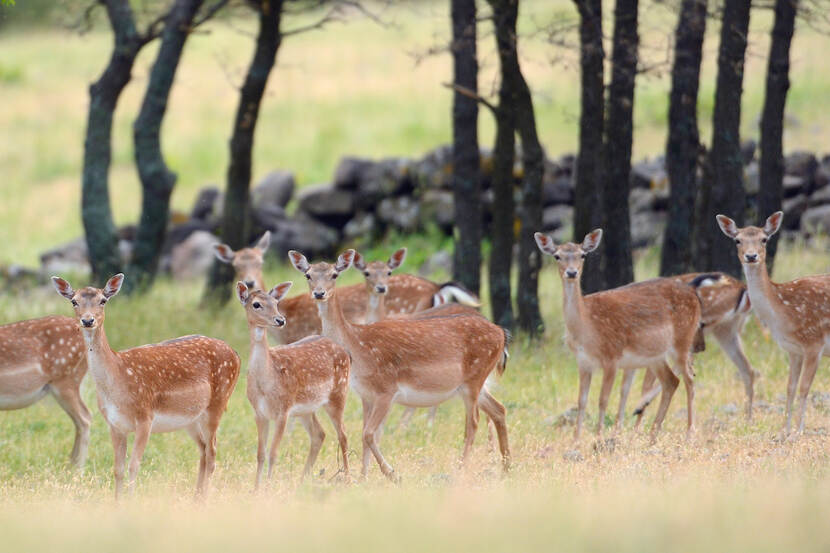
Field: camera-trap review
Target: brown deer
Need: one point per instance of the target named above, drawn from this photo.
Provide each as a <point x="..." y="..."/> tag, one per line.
<point x="639" y="325"/>
<point x="797" y="312"/>
<point x="183" y="383"/>
<point x="414" y="362"/>
<point x="292" y="381"/>
<point x="46" y="356"/>
<point x="407" y="293"/>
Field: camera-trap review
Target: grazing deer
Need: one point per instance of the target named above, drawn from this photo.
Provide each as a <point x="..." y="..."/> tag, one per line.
<point x="639" y="325"/>
<point x="725" y="309"/>
<point x="796" y="312"/>
<point x="183" y="383"/>
<point x="292" y="381"/>
<point x="414" y="362"/>
<point x="407" y="293"/>
<point x="46" y="356"/>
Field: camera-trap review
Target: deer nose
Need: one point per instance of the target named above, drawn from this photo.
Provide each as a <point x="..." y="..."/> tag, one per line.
<point x="381" y="289"/>
<point x="319" y="295"/>
<point x="88" y="322"/>
<point x="751" y="257"/>
<point x="570" y="273"/>
<point x="279" y="321"/>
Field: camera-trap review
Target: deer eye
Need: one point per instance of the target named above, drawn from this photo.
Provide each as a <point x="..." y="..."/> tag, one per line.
<point x="308" y="276"/>
<point x="256" y="305"/>
<point x="388" y="273"/>
<point x="584" y="255"/>
<point x="737" y="242"/>
<point x="365" y="273"/>
<point x="556" y="256"/>
<point x="103" y="301"/>
<point x="763" y="240"/>
<point x="334" y="276"/>
<point x="75" y="303"/>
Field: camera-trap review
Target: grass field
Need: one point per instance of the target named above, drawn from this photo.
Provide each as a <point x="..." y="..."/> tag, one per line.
<point x="733" y="487"/>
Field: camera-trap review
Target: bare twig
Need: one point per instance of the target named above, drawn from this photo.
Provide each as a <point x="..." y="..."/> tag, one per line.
<point x="209" y="13"/>
<point x="463" y="90"/>
<point x="334" y="14"/>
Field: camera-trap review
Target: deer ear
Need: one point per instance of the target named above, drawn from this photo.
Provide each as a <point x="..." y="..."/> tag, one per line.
<point x="63" y="287"/>
<point x="545" y="243"/>
<point x="773" y="223"/>
<point x="264" y="241"/>
<point x="592" y="240"/>
<point x="727" y="225"/>
<point x="359" y="261"/>
<point x="223" y="253"/>
<point x="242" y="292"/>
<point x="344" y="261"/>
<point x="280" y="290"/>
<point x="396" y="260"/>
<point x="298" y="260"/>
<point x="113" y="285"/>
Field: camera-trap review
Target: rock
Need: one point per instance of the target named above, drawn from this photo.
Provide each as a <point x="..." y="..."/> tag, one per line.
<point x="648" y="174"/>
<point x="752" y="179"/>
<point x="389" y="177"/>
<point x="265" y="217"/>
<point x="333" y="207"/>
<point x="641" y="199"/>
<point x="567" y="417"/>
<point x="647" y="228"/>
<point x="557" y="190"/>
<point x="17" y="276"/>
<point x="71" y="257"/>
<point x="401" y="212"/>
<point x="748" y="148"/>
<point x="794" y="185"/>
<point x="304" y="234"/>
<point x="820" y="197"/>
<point x="275" y="189"/>
<point x="816" y="219"/>
<point x="361" y="226"/>
<point x="349" y="172"/>
<point x="181" y="232"/>
<point x="205" y="205"/>
<point x="557" y="217"/>
<point x="801" y="164"/>
<point x="434" y="169"/>
<point x="192" y="258"/>
<point x="793" y="209"/>
<point x="823" y="173"/>
<point x="439" y="262"/>
<point x="438" y="207"/>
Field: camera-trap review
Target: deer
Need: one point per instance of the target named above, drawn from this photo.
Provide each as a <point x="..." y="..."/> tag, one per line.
<point x="414" y="362"/>
<point x="407" y="293"/>
<point x="725" y="309"/>
<point x="294" y="380"/>
<point x="642" y="324"/>
<point x="183" y="383"/>
<point x="797" y="313"/>
<point x="42" y="357"/>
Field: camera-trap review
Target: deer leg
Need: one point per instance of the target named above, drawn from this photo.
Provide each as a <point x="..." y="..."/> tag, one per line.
<point x="649" y="391"/>
<point x="405" y="419"/>
<point x="431" y="416"/>
<point x="730" y="342"/>
<point x="380" y="408"/>
<point x="262" y="424"/>
<point x="608" y="376"/>
<point x="119" y="448"/>
<point x="367" y="452"/>
<point x="498" y="415"/>
<point x="471" y="423"/>
<point x="142" y="436"/>
<point x="689" y="383"/>
<point x="316" y="435"/>
<point x="279" y="429"/>
<point x="68" y="396"/>
<point x="584" y="387"/>
<point x="628" y="377"/>
<point x="335" y="413"/>
<point x="195" y="432"/>
<point x="811" y="361"/>
<point x="795" y="372"/>
<point x="668" y="382"/>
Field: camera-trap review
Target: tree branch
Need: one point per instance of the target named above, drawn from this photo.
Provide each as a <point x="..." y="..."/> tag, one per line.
<point x="464" y="91"/>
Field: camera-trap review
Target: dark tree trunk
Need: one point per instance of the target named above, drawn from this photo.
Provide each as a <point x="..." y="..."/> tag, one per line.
<point x="726" y="190"/>
<point x="465" y="153"/>
<point x="618" y="267"/>
<point x="101" y="237"/>
<point x="772" y="119"/>
<point x="504" y="153"/>
<point x="588" y="206"/>
<point x="157" y="180"/>
<point x="236" y="216"/>
<point x="684" y="140"/>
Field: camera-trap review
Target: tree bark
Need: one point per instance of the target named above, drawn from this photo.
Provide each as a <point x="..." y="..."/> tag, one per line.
<point x="725" y="192"/>
<point x="236" y="217"/>
<point x="772" y="118"/>
<point x="684" y="139"/>
<point x="618" y="267"/>
<point x="588" y="205"/>
<point x="101" y="236"/>
<point x="157" y="180"/>
<point x="465" y="153"/>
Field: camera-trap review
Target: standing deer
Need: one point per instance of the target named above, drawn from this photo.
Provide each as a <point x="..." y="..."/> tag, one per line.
<point x="413" y="362"/>
<point x="46" y="356"/>
<point x="183" y="383"/>
<point x="292" y="381"/>
<point x="407" y="293"/>
<point x="645" y="324"/>
<point x="796" y="312"/>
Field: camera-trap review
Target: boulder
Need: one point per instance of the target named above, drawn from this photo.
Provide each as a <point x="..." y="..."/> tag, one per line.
<point x="204" y="207"/>
<point x="820" y="197"/>
<point x="192" y="258"/>
<point x="748" y="148"/>
<point x="801" y="164"/>
<point x="304" y="234"/>
<point x="816" y="219"/>
<point x="752" y="179"/>
<point x="647" y="228"/>
<point x="641" y="199"/>
<point x="181" y="232"/>
<point x="275" y="188"/>
<point x="349" y="172"/>
<point x="363" y="225"/>
<point x="438" y="207"/>
<point x="434" y="169"/>
<point x="386" y="178"/>
<point x="649" y="174"/>
<point x="265" y="217"/>
<point x="557" y="187"/>
<point x="795" y="185"/>
<point x="333" y="207"/>
<point x="556" y="217"/>
<point x="71" y="257"/>
<point x="401" y="213"/>
<point x="793" y="209"/>
<point x="439" y="262"/>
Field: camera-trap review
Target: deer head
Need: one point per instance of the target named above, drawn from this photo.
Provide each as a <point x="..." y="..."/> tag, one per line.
<point x="377" y="273"/>
<point x="262" y="308"/>
<point x="321" y="276"/>
<point x="89" y="302"/>
<point x="751" y="241"/>
<point x="247" y="262"/>
<point x="569" y="257"/>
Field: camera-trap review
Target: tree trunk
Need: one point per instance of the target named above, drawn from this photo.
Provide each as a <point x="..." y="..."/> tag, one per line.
<point x="684" y="140"/>
<point x="465" y="152"/>
<point x="772" y="118"/>
<point x="588" y="206"/>
<point x="157" y="180"/>
<point x="101" y="237"/>
<point x="618" y="267"/>
<point x="726" y="190"/>
<point x="236" y="216"/>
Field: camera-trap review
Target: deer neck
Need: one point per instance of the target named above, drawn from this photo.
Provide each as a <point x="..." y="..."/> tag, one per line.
<point x="335" y="325"/>
<point x="259" y="348"/>
<point x="765" y="301"/>
<point x="377" y="308"/>
<point x="573" y="306"/>
<point x="102" y="361"/>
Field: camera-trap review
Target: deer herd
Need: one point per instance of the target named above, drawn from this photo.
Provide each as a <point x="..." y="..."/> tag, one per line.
<point x="401" y="339"/>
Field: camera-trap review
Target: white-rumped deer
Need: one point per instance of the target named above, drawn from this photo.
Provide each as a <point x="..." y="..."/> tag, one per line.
<point x="292" y="381"/>
<point x="797" y="312"/>
<point x="46" y="356"/>
<point x="644" y="324"/>
<point x="184" y="383"/>
<point x="406" y="293"/>
<point x="414" y="362"/>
